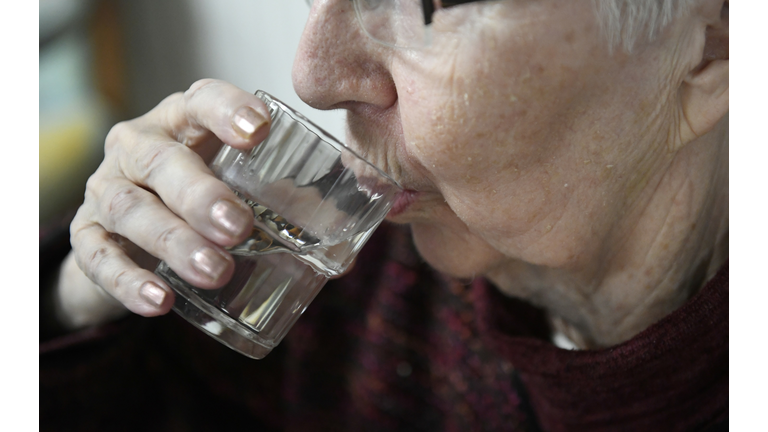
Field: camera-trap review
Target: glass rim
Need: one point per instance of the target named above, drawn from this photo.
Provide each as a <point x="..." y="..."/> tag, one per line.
<point x="321" y="133"/>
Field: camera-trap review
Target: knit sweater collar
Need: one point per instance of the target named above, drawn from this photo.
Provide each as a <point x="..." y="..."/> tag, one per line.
<point x="675" y="371"/>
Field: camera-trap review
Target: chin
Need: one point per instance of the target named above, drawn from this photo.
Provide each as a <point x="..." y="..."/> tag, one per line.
<point x="456" y="253"/>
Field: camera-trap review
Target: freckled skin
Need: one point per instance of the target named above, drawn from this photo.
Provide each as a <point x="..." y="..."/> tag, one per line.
<point x="476" y="142"/>
<point x="537" y="152"/>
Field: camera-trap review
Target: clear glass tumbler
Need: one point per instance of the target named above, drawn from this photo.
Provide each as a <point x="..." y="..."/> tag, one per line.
<point x="315" y="203"/>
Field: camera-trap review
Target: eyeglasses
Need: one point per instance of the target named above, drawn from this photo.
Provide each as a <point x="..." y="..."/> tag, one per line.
<point x="400" y="23"/>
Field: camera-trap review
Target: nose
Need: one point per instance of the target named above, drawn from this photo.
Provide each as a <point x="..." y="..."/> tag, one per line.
<point x="337" y="65"/>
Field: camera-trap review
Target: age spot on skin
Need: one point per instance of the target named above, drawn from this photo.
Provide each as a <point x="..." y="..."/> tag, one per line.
<point x="570" y="36"/>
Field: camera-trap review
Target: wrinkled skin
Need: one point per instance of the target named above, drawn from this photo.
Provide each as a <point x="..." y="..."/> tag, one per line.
<point x="538" y="154"/>
<point x="588" y="181"/>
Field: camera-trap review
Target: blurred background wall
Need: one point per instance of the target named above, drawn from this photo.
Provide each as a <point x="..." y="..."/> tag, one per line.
<point x="102" y="61"/>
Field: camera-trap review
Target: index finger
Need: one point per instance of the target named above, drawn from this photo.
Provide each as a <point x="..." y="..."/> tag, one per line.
<point x="180" y="178"/>
<point x="237" y="118"/>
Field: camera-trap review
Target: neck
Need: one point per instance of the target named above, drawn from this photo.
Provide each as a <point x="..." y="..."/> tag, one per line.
<point x="664" y="251"/>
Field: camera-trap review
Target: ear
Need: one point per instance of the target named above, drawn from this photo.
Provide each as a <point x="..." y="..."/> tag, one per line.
<point x="704" y="92"/>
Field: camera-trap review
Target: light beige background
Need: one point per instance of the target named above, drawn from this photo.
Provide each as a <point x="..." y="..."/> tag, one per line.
<point x="250" y="43"/>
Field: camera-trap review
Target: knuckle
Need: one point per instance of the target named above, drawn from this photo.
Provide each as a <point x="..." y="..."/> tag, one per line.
<point x="192" y="195"/>
<point x="117" y="134"/>
<point x="154" y="156"/>
<point x="80" y="232"/>
<point x="169" y="101"/>
<point x="148" y="160"/>
<point x="121" y="282"/>
<point x="76" y="228"/>
<point x="123" y="202"/>
<point x="94" y="261"/>
<point x="93" y="186"/>
<point x="167" y="237"/>
<point x="197" y="86"/>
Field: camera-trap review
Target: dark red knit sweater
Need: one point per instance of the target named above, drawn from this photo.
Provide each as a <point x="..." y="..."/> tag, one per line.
<point x="393" y="346"/>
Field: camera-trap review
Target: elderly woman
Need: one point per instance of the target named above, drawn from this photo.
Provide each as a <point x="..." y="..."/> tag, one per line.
<point x="566" y="175"/>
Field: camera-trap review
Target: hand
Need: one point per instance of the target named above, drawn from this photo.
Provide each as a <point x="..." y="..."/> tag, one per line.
<point x="154" y="194"/>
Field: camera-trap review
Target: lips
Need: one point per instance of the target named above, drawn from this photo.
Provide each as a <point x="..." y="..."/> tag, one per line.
<point x="402" y="202"/>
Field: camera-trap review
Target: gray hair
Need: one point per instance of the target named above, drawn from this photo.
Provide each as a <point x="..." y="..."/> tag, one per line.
<point x="626" y="22"/>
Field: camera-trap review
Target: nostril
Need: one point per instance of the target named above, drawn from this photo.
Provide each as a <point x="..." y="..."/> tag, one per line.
<point x="327" y="83"/>
<point x="336" y="63"/>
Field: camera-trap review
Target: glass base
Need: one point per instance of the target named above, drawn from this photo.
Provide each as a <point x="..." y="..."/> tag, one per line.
<point x="219" y="326"/>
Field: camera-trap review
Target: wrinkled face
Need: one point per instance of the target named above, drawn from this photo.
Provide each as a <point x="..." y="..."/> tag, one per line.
<point x="521" y="136"/>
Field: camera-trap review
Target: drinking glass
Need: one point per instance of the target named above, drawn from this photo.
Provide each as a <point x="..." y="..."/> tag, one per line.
<point x="315" y="203"/>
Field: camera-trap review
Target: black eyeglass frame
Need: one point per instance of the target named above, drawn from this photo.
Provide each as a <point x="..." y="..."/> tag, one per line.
<point x="429" y="7"/>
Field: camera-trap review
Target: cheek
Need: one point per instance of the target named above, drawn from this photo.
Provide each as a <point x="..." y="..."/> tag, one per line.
<point x="467" y="120"/>
<point x="501" y="136"/>
<point x="457" y="135"/>
<point x="475" y="143"/>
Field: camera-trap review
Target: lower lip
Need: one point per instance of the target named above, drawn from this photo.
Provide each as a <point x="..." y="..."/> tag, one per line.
<point x="402" y="202"/>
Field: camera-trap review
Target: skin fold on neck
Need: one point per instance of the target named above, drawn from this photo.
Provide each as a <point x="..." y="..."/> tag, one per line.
<point x="661" y="256"/>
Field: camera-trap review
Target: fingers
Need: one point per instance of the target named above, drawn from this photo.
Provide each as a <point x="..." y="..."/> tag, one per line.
<point x="187" y="187"/>
<point x="155" y="190"/>
<point x="236" y="117"/>
<point x="78" y="302"/>
<point x="128" y="210"/>
<point x="177" y="173"/>
<point x="107" y="265"/>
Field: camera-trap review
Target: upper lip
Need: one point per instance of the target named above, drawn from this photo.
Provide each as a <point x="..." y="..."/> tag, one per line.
<point x="406" y="187"/>
<point x="375" y="125"/>
<point x="409" y="185"/>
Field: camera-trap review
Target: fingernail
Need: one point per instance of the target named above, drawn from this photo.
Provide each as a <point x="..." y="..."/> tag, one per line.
<point x="230" y="218"/>
<point x="209" y="262"/>
<point x="152" y="294"/>
<point x="246" y="121"/>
